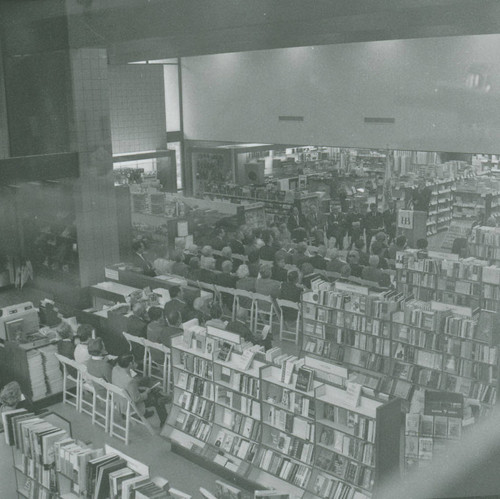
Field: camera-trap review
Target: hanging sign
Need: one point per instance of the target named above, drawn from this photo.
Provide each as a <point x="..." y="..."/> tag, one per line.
<point x="405" y="219"/>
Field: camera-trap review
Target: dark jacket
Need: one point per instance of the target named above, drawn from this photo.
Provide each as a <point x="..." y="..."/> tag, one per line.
<point x="267" y="253"/>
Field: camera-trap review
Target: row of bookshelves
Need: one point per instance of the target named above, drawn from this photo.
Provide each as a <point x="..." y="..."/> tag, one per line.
<point x="275" y="423"/>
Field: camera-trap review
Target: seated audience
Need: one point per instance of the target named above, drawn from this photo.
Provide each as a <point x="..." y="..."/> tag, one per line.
<point x="173" y="321"/>
<point x="179" y="267"/>
<point x="137" y="389"/>
<point x="240" y="325"/>
<point x="318" y="260"/>
<point x="194" y="269"/>
<point x="246" y="283"/>
<point x="373" y="273"/>
<point x="353" y="261"/>
<point x="253" y="263"/>
<point x="345" y="273"/>
<point x="216" y="316"/>
<point x="363" y="255"/>
<point x="236" y="244"/>
<point x="226" y="278"/>
<point x="177" y="303"/>
<point x="207" y="271"/>
<point x="291" y="291"/>
<point x="299" y="256"/>
<point x="84" y="333"/>
<point x="267" y="251"/>
<point x="206" y="252"/>
<point x="264" y="284"/>
<point x="279" y="272"/>
<point x="334" y="263"/>
<point x="65" y="346"/>
<point x="98" y="365"/>
<point x="190" y="252"/>
<point x="377" y="248"/>
<point x="162" y="265"/>
<point x="308" y="274"/>
<point x="226" y="255"/>
<point x="218" y="242"/>
<point x="157" y="332"/>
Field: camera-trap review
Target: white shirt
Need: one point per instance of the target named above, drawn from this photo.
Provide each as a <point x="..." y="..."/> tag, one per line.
<point x="82" y="353"/>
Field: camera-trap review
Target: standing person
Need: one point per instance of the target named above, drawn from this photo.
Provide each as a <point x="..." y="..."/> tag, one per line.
<point x="336" y="226"/>
<point x="297" y="225"/>
<point x="390" y="221"/>
<point x="315" y="225"/>
<point x="373" y="223"/>
<point x="353" y="225"/>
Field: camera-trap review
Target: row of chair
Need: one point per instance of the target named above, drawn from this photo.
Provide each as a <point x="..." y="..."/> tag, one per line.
<point x="261" y="310"/>
<point x="109" y="406"/>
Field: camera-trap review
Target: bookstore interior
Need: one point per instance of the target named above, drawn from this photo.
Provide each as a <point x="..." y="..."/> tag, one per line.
<point x="235" y="320"/>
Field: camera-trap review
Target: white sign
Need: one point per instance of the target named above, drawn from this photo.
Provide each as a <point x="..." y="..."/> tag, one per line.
<point x="405" y="219"/>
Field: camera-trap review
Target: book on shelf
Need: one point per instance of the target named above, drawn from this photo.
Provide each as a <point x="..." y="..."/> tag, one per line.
<point x="425" y="445"/>
<point x="305" y="379"/>
<point x="353" y="393"/>
<point x="225" y="350"/>
<point x="287" y="371"/>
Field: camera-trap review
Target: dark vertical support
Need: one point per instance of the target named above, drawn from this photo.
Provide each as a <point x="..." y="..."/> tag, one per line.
<point x="187" y="184"/>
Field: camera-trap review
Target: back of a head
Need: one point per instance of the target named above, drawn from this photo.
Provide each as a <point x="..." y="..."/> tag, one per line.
<point x="173" y="317"/>
<point x="322" y="250"/>
<point x="267" y="236"/>
<point x="84" y="332"/>
<point x="208" y="263"/>
<point x="373" y="261"/>
<point x="226" y="267"/>
<point x="401" y="241"/>
<point x="293" y="277"/>
<point x="353" y="257"/>
<point x="207" y="250"/>
<point x="359" y="244"/>
<point x="193" y="248"/>
<point x="177" y="256"/>
<point x="136" y="246"/>
<point x="226" y="252"/>
<point x="279" y="259"/>
<point x="125" y="360"/>
<point x="155" y="313"/>
<point x="422" y="244"/>
<point x="376" y="248"/>
<point x="215" y="310"/>
<point x="175" y="290"/>
<point x="301" y="248"/>
<point x="332" y="253"/>
<point x="64" y="331"/>
<point x="253" y="257"/>
<point x="307" y="268"/>
<point x="242" y="271"/>
<point x="139" y="308"/>
<point x="381" y="236"/>
<point x="345" y="271"/>
<point x="265" y="271"/>
<point x="194" y="264"/>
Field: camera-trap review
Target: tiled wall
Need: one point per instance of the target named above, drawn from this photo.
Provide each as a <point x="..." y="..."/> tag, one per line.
<point x="137" y="101"/>
<point x="94" y="191"/>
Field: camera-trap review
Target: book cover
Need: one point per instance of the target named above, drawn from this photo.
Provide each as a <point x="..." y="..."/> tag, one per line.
<point x="412" y="424"/>
<point x="225" y="351"/>
<point x="427" y="426"/>
<point x="304" y="381"/>
<point x="425" y="448"/>
<point x="411" y="446"/>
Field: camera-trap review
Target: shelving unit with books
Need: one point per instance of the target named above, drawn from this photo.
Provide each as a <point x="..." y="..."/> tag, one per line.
<point x="50" y="464"/>
<point x="356" y="445"/>
<point x="190" y="419"/>
<point x="440" y="206"/>
<point x="484" y="242"/>
<point x="351" y="328"/>
<point x="235" y="438"/>
<point x="288" y="428"/>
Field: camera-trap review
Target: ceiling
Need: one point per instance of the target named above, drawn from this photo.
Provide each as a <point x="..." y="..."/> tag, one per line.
<point x="135" y="30"/>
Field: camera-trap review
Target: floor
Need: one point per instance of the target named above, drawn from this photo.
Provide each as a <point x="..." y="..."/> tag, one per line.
<point x="155" y="452"/>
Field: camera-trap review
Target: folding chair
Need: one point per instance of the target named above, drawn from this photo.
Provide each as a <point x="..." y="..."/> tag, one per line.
<point x="158" y="370"/>
<point x="226" y="299"/>
<point x="138" y="349"/>
<point x="71" y="384"/>
<point x="264" y="312"/>
<point x="289" y="330"/>
<point x="86" y="388"/>
<point x="122" y="411"/>
<point x="246" y="300"/>
<point x="100" y="397"/>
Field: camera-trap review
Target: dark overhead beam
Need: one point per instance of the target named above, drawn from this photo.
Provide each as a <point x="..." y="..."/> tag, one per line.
<point x="42" y="167"/>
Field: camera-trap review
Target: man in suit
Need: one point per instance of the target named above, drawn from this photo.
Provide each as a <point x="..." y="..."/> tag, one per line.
<point x="279" y="272"/>
<point x="218" y="242"/>
<point x="236" y="244"/>
<point x="297" y="225"/>
<point x="267" y="251"/>
<point x="390" y="221"/>
<point x="140" y="261"/>
<point x="176" y="303"/>
<point x="373" y="223"/>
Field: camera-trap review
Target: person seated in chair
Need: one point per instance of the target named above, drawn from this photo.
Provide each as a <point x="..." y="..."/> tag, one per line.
<point x="216" y="316"/>
<point x="179" y="267"/>
<point x="240" y="325"/>
<point x="141" y="390"/>
<point x="98" y="365"/>
<point x="177" y="303"/>
<point x="81" y="353"/>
